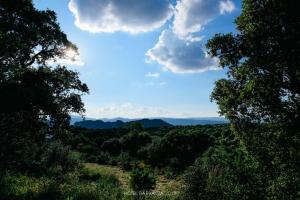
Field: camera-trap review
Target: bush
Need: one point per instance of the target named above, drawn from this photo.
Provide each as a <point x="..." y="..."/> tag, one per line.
<point x="103" y="158"/>
<point x="133" y="141"/>
<point x="142" y="179"/>
<point x="58" y="160"/>
<point x="92" y="185"/>
<point x="125" y="161"/>
<point x="16" y="186"/>
<point x="224" y="173"/>
<point x="103" y="189"/>
<point x="112" y="146"/>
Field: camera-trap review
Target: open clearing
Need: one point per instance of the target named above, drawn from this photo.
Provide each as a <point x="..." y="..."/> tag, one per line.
<point x="163" y="185"/>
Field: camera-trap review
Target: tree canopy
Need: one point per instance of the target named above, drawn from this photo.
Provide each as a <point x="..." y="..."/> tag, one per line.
<point x="261" y="95"/>
<point x="29" y="40"/>
<point x="37" y="95"/>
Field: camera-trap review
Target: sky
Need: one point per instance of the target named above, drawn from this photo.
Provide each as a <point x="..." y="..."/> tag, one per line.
<point x="145" y="58"/>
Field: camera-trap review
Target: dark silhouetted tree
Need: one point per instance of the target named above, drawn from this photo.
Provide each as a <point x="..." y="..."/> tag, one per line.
<point x="34" y="94"/>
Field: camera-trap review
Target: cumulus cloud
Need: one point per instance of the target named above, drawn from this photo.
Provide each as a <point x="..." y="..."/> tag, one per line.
<point x="191" y="15"/>
<point x="152" y="75"/>
<point x="180" y="56"/>
<point x="132" y="16"/>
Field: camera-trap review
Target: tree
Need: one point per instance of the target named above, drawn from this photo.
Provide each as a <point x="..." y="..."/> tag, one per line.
<point x="134" y="140"/>
<point x="33" y="92"/>
<point x="142" y="180"/>
<point x="261" y="95"/>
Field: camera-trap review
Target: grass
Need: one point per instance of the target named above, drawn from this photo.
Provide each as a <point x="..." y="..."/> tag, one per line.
<point x="93" y="182"/>
<point x="122" y="176"/>
<point x="164" y="186"/>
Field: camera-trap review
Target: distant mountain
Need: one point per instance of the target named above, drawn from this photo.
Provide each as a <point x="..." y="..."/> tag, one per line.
<point x="150" y="123"/>
<point x="76" y="118"/>
<point x="100" y="124"/>
<point x="172" y="121"/>
<point x="195" y="121"/>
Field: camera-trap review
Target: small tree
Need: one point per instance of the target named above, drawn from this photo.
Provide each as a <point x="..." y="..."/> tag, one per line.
<point x="142" y="180"/>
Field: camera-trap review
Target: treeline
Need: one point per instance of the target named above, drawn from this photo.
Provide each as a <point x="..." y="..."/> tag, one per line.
<point x="171" y="149"/>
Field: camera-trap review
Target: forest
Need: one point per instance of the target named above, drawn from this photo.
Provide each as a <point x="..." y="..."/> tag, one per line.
<point x="255" y="156"/>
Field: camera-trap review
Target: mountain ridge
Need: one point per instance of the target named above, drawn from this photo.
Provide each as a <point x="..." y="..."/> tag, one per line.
<point x="100" y="124"/>
<point x="171" y="121"/>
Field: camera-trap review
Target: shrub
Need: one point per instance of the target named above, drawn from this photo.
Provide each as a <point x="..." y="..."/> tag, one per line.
<point x="112" y="146"/>
<point x="104" y="189"/>
<point x="142" y="179"/>
<point x="103" y="158"/>
<point x="92" y="186"/>
<point x="125" y="161"/>
<point x="223" y="173"/>
<point x="16" y="187"/>
<point x="57" y="160"/>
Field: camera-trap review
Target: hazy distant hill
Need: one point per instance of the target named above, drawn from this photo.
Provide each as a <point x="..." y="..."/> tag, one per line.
<point x="172" y="121"/>
<point x="195" y="121"/>
<point x="148" y="123"/>
<point x="100" y="124"/>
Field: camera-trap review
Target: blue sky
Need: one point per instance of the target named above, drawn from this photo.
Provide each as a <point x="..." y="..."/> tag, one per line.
<point x="145" y="58"/>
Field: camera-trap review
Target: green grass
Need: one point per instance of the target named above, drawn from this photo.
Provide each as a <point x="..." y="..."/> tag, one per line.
<point x="93" y="182"/>
<point x="165" y="188"/>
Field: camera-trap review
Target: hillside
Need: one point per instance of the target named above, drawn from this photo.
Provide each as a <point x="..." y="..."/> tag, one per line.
<point x="99" y="124"/>
<point x="172" y="121"/>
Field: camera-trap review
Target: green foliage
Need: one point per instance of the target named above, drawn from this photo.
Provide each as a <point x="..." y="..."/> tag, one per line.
<point x="178" y="148"/>
<point x="19" y="148"/>
<point x="112" y="146"/>
<point x="174" y="148"/>
<point x="133" y="141"/>
<point x="57" y="160"/>
<point x="224" y="173"/>
<point x="261" y="94"/>
<point x="16" y="187"/>
<point x="28" y="37"/>
<point x="125" y="161"/>
<point x="37" y="97"/>
<point x="142" y="179"/>
<point x="93" y="186"/>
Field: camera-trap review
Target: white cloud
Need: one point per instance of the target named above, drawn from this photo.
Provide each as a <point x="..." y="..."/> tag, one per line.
<point x="192" y="15"/>
<point x="180" y="56"/>
<point x="132" y="16"/>
<point x="129" y="110"/>
<point x="226" y="6"/>
<point x="152" y="75"/>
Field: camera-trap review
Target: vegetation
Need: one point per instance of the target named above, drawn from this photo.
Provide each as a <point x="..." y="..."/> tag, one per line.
<point x="260" y="97"/>
<point x="169" y="149"/>
<point x="142" y="180"/>
<point x="255" y="157"/>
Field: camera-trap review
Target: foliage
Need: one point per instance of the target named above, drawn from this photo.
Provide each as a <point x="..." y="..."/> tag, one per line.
<point x="92" y="186"/>
<point x="142" y="179"/>
<point x="224" y="173"/>
<point x="260" y="97"/>
<point x="133" y="141"/>
<point x="17" y="187"/>
<point x="57" y="160"/>
<point x="37" y="96"/>
<point x="178" y="149"/>
<point x="173" y="148"/>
